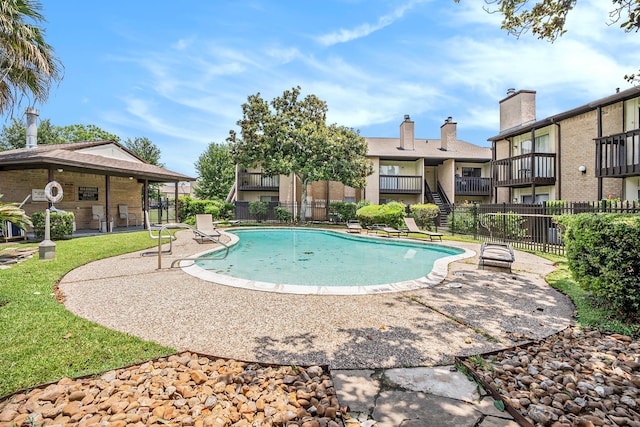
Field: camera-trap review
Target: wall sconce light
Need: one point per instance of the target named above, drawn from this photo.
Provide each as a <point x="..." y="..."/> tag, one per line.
<point x="60" y="170"/>
<point x="582" y="169"/>
<point x="130" y="177"/>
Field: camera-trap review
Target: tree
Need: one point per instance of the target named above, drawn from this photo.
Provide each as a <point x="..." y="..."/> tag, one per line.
<point x="145" y="149"/>
<point x="15" y="135"/>
<point x="78" y="133"/>
<point x="546" y="18"/>
<point x="12" y="213"/>
<point x="216" y="172"/>
<point x="290" y="136"/>
<point x="28" y="65"/>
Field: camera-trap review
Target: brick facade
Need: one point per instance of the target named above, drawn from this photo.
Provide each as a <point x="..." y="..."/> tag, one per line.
<point x="17" y="185"/>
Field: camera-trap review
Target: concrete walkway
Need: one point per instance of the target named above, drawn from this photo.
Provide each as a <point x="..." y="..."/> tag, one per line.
<point x="389" y="354"/>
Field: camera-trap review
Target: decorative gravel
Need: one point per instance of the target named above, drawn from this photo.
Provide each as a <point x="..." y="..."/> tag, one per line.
<point x="572" y="378"/>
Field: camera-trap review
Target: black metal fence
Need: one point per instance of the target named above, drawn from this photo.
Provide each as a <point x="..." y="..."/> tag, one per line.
<point x="526" y="226"/>
<point x="316" y="211"/>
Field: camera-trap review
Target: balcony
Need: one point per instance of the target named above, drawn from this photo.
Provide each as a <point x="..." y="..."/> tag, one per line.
<point x="525" y="170"/>
<point x="405" y="184"/>
<point x="473" y="186"/>
<point x="618" y="156"/>
<point x="256" y="181"/>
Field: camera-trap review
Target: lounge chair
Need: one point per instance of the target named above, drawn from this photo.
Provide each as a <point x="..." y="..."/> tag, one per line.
<point x="353" y="226"/>
<point x="166" y="235"/>
<point x="496" y="255"/>
<point x="123" y="211"/>
<point x="205" y="229"/>
<point x="384" y="228"/>
<point x="412" y="227"/>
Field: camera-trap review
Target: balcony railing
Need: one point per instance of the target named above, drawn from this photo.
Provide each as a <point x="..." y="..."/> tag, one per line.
<point x="256" y="181"/>
<point x="407" y="184"/>
<point x="473" y="186"/>
<point x="618" y="155"/>
<point x="524" y="170"/>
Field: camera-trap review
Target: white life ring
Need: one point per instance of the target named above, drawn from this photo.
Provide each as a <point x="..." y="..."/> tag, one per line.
<point x="48" y="192"/>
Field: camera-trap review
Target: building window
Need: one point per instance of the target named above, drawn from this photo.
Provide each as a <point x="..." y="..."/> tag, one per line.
<point x="350" y="199"/>
<point x="472" y="172"/>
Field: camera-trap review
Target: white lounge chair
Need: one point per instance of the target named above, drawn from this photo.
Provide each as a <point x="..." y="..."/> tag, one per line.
<point x="353" y="226"/>
<point x="496" y="255"/>
<point x="412" y="227"/>
<point x="205" y="228"/>
<point x="166" y="235"/>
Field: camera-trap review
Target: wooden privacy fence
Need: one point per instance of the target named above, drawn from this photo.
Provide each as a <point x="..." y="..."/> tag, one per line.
<point x="526" y="226"/>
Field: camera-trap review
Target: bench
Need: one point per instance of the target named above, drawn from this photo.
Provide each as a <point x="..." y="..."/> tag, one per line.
<point x="496" y="255"/>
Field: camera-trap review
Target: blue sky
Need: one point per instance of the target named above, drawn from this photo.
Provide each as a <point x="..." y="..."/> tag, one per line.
<point x="177" y="72"/>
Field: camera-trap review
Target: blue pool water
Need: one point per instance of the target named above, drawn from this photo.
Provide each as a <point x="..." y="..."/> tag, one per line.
<point x="325" y="258"/>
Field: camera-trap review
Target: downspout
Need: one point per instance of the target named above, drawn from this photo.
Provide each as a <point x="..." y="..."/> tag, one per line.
<point x="145" y="190"/>
<point x="107" y="187"/>
<point x="599" y="116"/>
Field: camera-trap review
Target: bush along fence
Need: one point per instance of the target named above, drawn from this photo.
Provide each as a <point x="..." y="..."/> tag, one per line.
<point x="526" y="226"/>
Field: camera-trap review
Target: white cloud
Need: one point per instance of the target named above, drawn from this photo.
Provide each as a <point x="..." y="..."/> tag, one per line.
<point x="363" y="30"/>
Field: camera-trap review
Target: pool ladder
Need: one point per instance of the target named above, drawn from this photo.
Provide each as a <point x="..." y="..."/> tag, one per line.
<point x="164" y="233"/>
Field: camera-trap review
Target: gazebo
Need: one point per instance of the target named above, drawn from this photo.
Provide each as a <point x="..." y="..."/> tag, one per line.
<point x="91" y="174"/>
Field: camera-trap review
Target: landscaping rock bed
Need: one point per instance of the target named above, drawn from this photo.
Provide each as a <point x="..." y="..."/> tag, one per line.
<point x="573" y="378"/>
<point x="186" y="389"/>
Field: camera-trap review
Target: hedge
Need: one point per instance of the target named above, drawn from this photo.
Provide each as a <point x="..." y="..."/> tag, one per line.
<point x="602" y="254"/>
<point x="424" y="214"/>
<point x="391" y="214"/>
<point x="61" y="225"/>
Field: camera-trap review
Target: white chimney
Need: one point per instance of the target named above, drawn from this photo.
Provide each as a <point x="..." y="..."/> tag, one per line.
<point x="32" y="127"/>
<point x="407" y="134"/>
<point x="448" y="134"/>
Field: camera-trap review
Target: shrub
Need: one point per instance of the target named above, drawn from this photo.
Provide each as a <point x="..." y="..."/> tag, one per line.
<point x="390" y="214"/>
<point x="464" y="219"/>
<point x="555" y="207"/>
<point x="346" y="211"/>
<point x="188" y="208"/>
<point x="61" y="224"/>
<point x="506" y="226"/>
<point x="602" y="254"/>
<point x="258" y="209"/>
<point x="424" y="214"/>
<point x="282" y="214"/>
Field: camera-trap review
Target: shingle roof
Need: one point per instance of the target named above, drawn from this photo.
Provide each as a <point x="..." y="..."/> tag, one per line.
<point x="69" y="157"/>
<point x="429" y="149"/>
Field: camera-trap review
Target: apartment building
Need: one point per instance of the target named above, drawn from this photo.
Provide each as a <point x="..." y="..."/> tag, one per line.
<point x="406" y="169"/>
<point x="588" y="153"/>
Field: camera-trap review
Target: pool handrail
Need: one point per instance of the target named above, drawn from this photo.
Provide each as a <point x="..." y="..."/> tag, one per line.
<point x="178" y="225"/>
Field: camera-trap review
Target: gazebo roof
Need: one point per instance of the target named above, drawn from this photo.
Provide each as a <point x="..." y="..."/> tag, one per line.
<point x="97" y="157"/>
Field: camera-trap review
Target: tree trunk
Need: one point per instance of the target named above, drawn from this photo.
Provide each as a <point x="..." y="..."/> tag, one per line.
<point x="303" y="202"/>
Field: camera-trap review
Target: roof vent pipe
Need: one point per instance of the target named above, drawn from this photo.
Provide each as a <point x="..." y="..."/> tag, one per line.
<point x="32" y="127"/>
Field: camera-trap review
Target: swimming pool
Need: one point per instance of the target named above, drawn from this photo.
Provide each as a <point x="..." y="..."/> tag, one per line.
<point x="296" y="260"/>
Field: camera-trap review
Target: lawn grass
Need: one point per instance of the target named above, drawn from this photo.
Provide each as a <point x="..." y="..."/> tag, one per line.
<point x="589" y="312"/>
<point x="40" y="341"/>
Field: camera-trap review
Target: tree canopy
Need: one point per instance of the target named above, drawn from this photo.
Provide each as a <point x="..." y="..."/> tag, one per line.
<point x="28" y="66"/>
<point x="145" y="149"/>
<point x="216" y="172"/>
<point x="289" y="135"/>
<point x="14" y="136"/>
<point x="546" y="19"/>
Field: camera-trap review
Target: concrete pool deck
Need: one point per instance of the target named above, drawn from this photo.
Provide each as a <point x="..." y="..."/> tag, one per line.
<point x="471" y="311"/>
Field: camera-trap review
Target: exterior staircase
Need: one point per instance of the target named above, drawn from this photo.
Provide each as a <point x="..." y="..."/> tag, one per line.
<point x="439" y="199"/>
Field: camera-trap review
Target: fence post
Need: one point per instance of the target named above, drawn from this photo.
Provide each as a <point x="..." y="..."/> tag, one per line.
<point x="453" y="219"/>
<point x="475" y="220"/>
<point x="504" y="221"/>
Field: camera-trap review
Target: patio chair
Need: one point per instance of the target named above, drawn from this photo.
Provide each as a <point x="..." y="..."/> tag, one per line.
<point x="496" y="255"/>
<point x="98" y="214"/>
<point x="205" y="229"/>
<point x="353" y="226"/>
<point x="166" y="235"/>
<point x="123" y="211"/>
<point x="384" y="228"/>
<point x="412" y="227"/>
